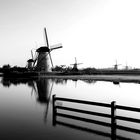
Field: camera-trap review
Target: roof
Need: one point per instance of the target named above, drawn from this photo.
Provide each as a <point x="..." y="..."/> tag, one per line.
<point x="30" y="60"/>
<point x="43" y="49"/>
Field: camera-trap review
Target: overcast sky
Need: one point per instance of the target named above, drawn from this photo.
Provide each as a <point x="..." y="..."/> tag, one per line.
<point x="97" y="32"/>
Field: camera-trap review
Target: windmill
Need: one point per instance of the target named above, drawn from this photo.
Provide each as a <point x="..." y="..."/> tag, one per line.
<point x="126" y="67"/>
<point x="30" y="62"/>
<point x="75" y="68"/>
<point x="116" y="66"/>
<point x="43" y="58"/>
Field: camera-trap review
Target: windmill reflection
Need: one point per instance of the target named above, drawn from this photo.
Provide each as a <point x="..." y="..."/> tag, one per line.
<point x="44" y="90"/>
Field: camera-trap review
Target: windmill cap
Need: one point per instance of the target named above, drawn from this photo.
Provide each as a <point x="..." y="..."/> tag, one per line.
<point x="43" y="49"/>
<point x="30" y="60"/>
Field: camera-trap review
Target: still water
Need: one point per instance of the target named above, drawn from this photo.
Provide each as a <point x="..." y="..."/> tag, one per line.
<point x="26" y="110"/>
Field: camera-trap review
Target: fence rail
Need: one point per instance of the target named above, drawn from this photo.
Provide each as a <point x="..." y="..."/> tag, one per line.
<point x="82" y="102"/>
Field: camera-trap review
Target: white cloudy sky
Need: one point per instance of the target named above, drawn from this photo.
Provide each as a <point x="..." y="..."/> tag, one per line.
<point x="97" y="32"/>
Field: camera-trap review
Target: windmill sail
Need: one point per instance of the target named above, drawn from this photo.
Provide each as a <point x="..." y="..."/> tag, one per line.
<point x="46" y="37"/>
<point x="56" y="46"/>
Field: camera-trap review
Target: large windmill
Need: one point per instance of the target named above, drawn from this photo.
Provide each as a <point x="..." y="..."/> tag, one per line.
<point x="75" y="68"/>
<point x="43" y="58"/>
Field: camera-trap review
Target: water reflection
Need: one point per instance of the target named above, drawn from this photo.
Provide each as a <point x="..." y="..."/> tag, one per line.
<point x="60" y="81"/>
<point x="43" y="89"/>
<point x="90" y="81"/>
<point x="43" y="82"/>
<point x="7" y="82"/>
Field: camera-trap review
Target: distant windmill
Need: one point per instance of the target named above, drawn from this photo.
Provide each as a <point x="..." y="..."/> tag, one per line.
<point x="75" y="68"/>
<point x="116" y="66"/>
<point x="30" y="62"/>
<point x="127" y="67"/>
<point x="62" y="66"/>
<point x="43" y="58"/>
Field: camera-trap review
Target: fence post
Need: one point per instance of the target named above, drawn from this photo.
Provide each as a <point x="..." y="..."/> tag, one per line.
<point x="53" y="110"/>
<point x="113" y="120"/>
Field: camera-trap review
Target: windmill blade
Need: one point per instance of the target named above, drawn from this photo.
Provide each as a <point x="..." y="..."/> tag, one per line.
<point x="32" y="91"/>
<point x="116" y="62"/>
<point x="47" y="104"/>
<point x="46" y="37"/>
<point x="35" y="87"/>
<point x="56" y="46"/>
<point x="51" y="90"/>
<point x="51" y="59"/>
<point x="35" y="60"/>
<point x="26" y="66"/>
<point x="79" y="63"/>
<point x="32" y="54"/>
<point x="75" y="60"/>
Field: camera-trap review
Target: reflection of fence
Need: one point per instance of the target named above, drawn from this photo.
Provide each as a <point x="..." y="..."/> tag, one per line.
<point x="113" y="125"/>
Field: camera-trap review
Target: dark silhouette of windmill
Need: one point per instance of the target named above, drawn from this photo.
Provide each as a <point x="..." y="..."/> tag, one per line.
<point x="30" y="62"/>
<point x="116" y="66"/>
<point x="75" y="68"/>
<point x="43" y="57"/>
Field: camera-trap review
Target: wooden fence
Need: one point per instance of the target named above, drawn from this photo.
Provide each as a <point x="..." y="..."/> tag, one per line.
<point x="113" y="116"/>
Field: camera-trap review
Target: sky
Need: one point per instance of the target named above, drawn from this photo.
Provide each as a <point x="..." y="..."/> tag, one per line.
<point x="96" y="32"/>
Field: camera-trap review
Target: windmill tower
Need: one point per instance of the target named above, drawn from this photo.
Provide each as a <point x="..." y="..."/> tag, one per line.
<point x="75" y="68"/>
<point x="44" y="58"/>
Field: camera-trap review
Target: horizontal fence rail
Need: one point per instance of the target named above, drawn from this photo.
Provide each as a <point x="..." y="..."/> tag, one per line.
<point x="128" y="108"/>
<point x="84" y="111"/>
<point x="84" y="119"/>
<point x="113" y="125"/>
<point x="82" y="102"/>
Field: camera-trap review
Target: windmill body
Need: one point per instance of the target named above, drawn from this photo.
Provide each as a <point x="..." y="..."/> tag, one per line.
<point x="116" y="67"/>
<point x="43" y="62"/>
<point x="30" y="64"/>
<point x="75" y="66"/>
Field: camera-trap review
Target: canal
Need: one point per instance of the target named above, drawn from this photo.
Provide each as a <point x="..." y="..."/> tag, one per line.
<point x="27" y="111"/>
